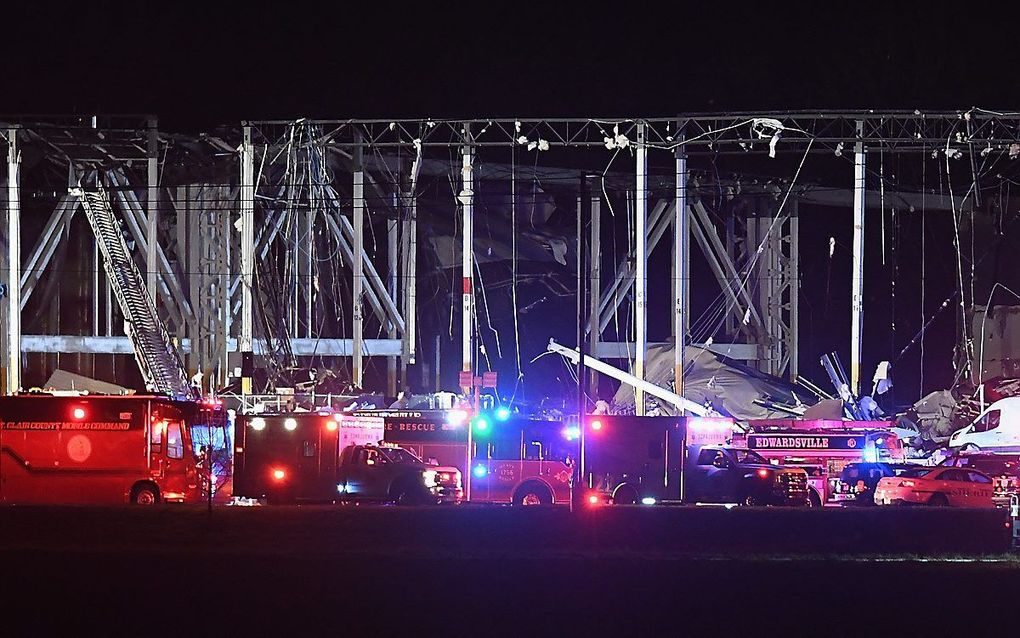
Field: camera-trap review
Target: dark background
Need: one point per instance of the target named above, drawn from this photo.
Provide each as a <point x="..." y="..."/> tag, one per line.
<point x="201" y="65"/>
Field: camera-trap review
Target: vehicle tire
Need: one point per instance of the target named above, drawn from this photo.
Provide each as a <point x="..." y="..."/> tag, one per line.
<point x="533" y="494"/>
<point x="625" y="495"/>
<point x="938" y="500"/>
<point x="408" y="496"/>
<point x="144" y="494"/>
<point x="813" y="499"/>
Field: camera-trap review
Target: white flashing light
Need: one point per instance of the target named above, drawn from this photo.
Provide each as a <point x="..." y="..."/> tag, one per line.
<point x="456" y="417"/>
<point x="341" y="488"/>
<point x="648" y="500"/>
<point x="290" y="424"/>
<point x="258" y="424"/>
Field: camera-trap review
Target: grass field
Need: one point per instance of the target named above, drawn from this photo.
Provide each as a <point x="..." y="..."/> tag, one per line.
<point x="498" y="571"/>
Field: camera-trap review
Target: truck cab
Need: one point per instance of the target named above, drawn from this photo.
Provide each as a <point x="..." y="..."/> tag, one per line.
<point x="721" y="474"/>
<point x="389" y="473"/>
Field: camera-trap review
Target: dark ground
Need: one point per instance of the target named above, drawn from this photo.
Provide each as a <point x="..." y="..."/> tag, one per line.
<point x="497" y="571"/>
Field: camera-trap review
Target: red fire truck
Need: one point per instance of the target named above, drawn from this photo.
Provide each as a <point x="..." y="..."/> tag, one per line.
<point x="824" y="448"/>
<point x="513" y="460"/>
<point x="89" y="449"/>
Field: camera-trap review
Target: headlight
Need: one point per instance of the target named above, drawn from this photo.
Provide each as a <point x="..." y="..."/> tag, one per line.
<point x="430" y="478"/>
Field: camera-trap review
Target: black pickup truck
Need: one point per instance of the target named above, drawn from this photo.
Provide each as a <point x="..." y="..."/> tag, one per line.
<point x="651" y="460"/>
<point x="733" y="475"/>
<point x="389" y="473"/>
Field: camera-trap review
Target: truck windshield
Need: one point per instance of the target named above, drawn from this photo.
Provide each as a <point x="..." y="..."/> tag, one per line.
<point x="748" y="456"/>
<point x="397" y="455"/>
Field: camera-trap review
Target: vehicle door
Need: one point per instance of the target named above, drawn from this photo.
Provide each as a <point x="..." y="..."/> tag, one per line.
<point x="955" y="485"/>
<point x="178" y="459"/>
<point x="361" y="473"/>
<point x="713" y="477"/>
<point x="981" y="489"/>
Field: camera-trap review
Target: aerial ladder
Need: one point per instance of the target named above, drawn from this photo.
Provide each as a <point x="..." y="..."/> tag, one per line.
<point x="158" y="359"/>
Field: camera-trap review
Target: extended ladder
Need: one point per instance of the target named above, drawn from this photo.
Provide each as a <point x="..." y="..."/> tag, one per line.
<point x="158" y="359"/>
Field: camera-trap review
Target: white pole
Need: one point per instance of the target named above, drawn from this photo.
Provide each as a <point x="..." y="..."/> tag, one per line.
<point x="152" y="212"/>
<point x="681" y="239"/>
<point x="13" y="262"/>
<point x="641" y="276"/>
<point x="857" y="277"/>
<point x="247" y="239"/>
<point x="359" y="266"/>
<point x="467" y="200"/>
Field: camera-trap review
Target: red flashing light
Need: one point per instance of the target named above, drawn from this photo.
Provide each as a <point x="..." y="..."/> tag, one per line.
<point x="593" y="499"/>
<point x="279" y="474"/>
<point x="79" y="413"/>
<point x="331" y="425"/>
<point x="763" y="473"/>
<point x="596" y="425"/>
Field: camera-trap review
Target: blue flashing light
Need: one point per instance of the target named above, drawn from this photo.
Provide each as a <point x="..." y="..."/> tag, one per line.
<point x="502" y="413"/>
<point x="481" y="424"/>
<point x="571" y="433"/>
<point x="480" y="471"/>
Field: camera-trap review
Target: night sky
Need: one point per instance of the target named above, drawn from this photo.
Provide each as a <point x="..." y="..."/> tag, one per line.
<point x="219" y="63"/>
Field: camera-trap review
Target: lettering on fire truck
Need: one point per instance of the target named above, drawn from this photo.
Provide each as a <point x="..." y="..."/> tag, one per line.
<point x="844" y="442"/>
<point x="64" y="425"/>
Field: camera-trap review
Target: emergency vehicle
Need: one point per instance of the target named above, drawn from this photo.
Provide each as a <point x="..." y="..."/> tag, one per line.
<point x="939" y="486"/>
<point x="98" y="449"/>
<point x="513" y="459"/>
<point x="648" y="460"/>
<point x="325" y="457"/>
<point x="827" y="445"/>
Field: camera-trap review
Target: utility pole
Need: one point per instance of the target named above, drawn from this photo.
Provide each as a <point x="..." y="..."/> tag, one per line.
<point x="13" y="262"/>
<point x="583" y="215"/>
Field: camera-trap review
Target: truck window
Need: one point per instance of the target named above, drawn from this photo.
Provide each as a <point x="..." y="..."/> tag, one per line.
<point x="749" y="456"/>
<point x="156" y="432"/>
<point x="174" y="441"/>
<point x="988" y="421"/>
<point x="708" y="457"/>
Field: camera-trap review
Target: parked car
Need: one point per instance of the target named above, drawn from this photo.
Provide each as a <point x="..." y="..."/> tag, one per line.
<point x="996" y="428"/>
<point x="939" y="486"/>
<point x="1003" y="468"/>
<point x="857" y="481"/>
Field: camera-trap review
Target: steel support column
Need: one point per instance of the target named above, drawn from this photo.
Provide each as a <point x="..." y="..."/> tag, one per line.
<point x="681" y="291"/>
<point x="641" y="265"/>
<point x="595" y="285"/>
<point x="152" y="210"/>
<point x="357" y="371"/>
<point x="13" y="262"/>
<point x="247" y="239"/>
<point x="857" y="276"/>
<point x="467" y="202"/>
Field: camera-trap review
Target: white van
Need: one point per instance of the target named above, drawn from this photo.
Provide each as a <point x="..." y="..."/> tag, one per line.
<point x="997" y="428"/>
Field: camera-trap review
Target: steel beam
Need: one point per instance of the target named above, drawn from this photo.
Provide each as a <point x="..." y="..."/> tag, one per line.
<point x="467" y="202"/>
<point x="595" y="284"/>
<point x="630" y="379"/>
<point x="13" y="261"/>
<point x="358" y="264"/>
<point x="134" y="215"/>
<point x="77" y="344"/>
<point x="152" y="208"/>
<point x="641" y="269"/>
<point x="612" y="350"/>
<point x="681" y="290"/>
<point x="247" y="238"/>
<point x="857" y="274"/>
<point x="46" y="246"/>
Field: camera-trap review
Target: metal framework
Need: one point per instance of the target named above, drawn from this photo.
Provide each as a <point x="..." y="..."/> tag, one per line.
<point x="296" y="194"/>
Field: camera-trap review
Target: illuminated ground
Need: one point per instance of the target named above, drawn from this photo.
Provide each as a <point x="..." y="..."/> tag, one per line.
<point x="497" y="571"/>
